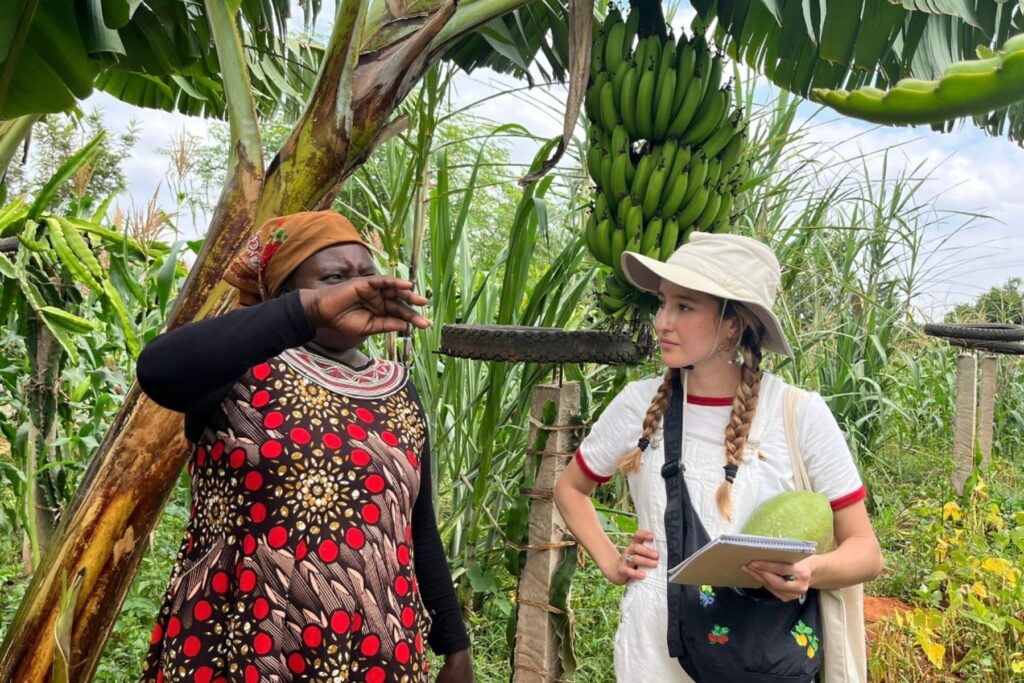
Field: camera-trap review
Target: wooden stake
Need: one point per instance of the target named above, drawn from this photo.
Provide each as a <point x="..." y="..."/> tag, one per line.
<point x="536" y="658"/>
<point x="964" y="420"/>
<point x="986" y="408"/>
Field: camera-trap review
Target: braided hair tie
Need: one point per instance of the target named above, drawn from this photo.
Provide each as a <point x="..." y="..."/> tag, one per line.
<point x="730" y="472"/>
<point x="643" y="443"/>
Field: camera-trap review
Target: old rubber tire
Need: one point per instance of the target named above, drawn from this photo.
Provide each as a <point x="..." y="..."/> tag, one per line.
<point x="1009" y="348"/>
<point x="997" y="332"/>
<point x="538" y="344"/>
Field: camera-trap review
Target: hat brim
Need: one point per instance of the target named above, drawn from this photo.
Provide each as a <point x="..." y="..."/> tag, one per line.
<point x="647" y="273"/>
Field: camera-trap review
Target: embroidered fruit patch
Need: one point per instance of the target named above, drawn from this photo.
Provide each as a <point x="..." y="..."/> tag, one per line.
<point x="707" y="596"/>
<point x="719" y="635"/>
<point x="805" y="637"/>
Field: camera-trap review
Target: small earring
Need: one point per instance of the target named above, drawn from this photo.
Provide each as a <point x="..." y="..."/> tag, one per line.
<point x="725" y="349"/>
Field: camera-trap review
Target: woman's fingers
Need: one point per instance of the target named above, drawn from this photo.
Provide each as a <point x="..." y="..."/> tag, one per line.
<point x="377" y="293"/>
<point x="645" y="554"/>
<point x="642" y="555"/>
<point x="411" y="297"/>
<point x="788" y="584"/>
<point x="370" y="305"/>
<point x="385" y="281"/>
<point x="634" y="573"/>
<point x="399" y="309"/>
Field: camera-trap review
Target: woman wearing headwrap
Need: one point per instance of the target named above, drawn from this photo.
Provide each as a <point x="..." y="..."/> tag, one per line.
<point x="312" y="552"/>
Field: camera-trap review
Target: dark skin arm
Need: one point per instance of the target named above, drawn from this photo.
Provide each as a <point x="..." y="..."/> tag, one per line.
<point x="458" y="668"/>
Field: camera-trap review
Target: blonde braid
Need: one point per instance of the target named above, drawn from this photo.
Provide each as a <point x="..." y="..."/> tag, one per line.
<point x="743" y="407"/>
<point x="659" y="404"/>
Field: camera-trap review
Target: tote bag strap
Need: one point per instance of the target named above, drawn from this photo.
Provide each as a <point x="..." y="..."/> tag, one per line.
<point x="789" y="405"/>
<point x="842" y="610"/>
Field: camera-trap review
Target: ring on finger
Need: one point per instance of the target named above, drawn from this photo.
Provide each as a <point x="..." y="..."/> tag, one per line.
<point x="628" y="559"/>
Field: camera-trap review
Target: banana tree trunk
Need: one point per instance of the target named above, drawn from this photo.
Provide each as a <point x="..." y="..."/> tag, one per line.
<point x="133" y="474"/>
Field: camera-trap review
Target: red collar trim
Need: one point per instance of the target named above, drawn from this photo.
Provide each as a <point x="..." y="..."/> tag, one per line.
<point x="716" y="401"/>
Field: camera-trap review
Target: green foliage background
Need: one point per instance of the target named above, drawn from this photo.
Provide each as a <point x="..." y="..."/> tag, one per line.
<point x="849" y="238"/>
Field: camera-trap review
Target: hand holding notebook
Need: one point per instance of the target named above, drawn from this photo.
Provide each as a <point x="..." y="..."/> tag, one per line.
<point x="720" y="561"/>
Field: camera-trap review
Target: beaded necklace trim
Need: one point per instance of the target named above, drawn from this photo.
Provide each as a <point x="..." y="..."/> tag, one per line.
<point x="379" y="379"/>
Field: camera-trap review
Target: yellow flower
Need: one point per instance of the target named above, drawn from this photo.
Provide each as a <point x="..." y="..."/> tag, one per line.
<point x="1017" y="663"/>
<point x="951" y="510"/>
<point x="981" y="489"/>
<point x="1001" y="567"/>
<point x="978" y="588"/>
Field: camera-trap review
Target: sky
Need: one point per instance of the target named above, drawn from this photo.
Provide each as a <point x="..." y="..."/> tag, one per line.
<point x="968" y="172"/>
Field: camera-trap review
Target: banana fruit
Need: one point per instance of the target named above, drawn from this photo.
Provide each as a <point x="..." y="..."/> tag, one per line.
<point x="665" y="149"/>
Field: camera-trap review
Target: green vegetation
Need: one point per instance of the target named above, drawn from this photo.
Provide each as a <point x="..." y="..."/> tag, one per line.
<point x="850" y="241"/>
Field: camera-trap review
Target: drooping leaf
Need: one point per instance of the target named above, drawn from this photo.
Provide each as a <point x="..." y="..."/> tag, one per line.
<point x="888" y="42"/>
<point x="967" y="88"/>
<point x="165" y="276"/>
<point x="961" y="9"/>
<point x="474" y="51"/>
<point x="42" y="78"/>
<point x="101" y="41"/>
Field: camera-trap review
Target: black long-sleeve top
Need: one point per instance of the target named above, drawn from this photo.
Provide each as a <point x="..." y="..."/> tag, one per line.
<point x="192" y="369"/>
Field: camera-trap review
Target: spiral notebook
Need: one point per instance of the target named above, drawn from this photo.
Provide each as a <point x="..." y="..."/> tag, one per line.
<point x="720" y="561"/>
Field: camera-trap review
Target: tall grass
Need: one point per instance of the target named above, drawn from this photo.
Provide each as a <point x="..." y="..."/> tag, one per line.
<point x="478" y="411"/>
<point x="850" y="232"/>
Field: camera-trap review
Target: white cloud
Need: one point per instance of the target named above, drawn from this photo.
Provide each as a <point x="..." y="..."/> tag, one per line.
<point x="965" y="173"/>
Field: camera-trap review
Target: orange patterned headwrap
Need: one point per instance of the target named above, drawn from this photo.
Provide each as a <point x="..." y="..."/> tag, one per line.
<point x="280" y="246"/>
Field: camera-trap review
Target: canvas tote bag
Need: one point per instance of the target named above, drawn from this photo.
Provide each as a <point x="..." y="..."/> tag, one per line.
<point x="842" y="610"/>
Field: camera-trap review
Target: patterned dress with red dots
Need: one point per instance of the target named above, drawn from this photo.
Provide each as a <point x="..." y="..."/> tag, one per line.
<point x="301" y="557"/>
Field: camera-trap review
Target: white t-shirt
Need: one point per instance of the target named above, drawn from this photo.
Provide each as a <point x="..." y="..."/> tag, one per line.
<point x="830" y="466"/>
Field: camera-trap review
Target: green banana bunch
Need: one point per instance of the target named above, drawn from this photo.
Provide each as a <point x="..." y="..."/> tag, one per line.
<point x="665" y="149"/>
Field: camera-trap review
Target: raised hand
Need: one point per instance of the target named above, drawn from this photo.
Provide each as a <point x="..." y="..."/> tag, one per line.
<point x="364" y="306"/>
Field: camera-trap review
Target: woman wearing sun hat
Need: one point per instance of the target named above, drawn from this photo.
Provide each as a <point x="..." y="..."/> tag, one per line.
<point x="720" y="419"/>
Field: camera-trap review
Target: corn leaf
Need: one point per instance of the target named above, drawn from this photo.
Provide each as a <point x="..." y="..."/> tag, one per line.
<point x="67" y="169"/>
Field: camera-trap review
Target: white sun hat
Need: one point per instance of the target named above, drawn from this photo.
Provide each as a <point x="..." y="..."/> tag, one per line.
<point x="730" y="267"/>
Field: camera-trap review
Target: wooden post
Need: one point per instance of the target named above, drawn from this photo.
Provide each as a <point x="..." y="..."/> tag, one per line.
<point x="964" y="419"/>
<point x="536" y="658"/>
<point x="986" y="408"/>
